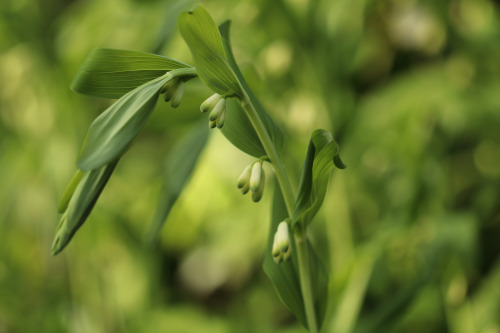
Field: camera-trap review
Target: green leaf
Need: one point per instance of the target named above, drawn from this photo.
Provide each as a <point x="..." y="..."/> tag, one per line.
<point x="285" y="276"/>
<point x="203" y="39"/>
<point x="322" y="152"/>
<point x="241" y="121"/>
<point x="68" y="192"/>
<point x="239" y="131"/>
<point x="111" y="73"/>
<point x="80" y="205"/>
<point x="179" y="166"/>
<point x="114" y="130"/>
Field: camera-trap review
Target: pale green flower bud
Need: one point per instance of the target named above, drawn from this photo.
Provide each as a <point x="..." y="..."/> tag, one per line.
<point x="212" y="123"/>
<point x="282" y="248"/>
<point x="217" y="110"/>
<point x="177" y="95"/>
<point x="169" y="89"/>
<point x="220" y="120"/>
<point x="244" y="178"/>
<point x="245" y="188"/>
<point x="210" y="103"/>
<point x="257" y="195"/>
<point x="255" y="178"/>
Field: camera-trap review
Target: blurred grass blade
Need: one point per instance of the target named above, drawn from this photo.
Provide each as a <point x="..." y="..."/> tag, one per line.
<point x="80" y="205"/>
<point x="273" y="130"/>
<point x="68" y="192"/>
<point x="315" y="174"/>
<point x="179" y="166"/>
<point x="111" y="73"/>
<point x="114" y="130"/>
<point x="203" y="38"/>
<point x="239" y="131"/>
<point x="285" y="276"/>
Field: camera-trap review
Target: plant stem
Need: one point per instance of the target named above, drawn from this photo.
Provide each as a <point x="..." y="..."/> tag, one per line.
<point x="271" y="152"/>
<point x="305" y="280"/>
<point x="289" y="198"/>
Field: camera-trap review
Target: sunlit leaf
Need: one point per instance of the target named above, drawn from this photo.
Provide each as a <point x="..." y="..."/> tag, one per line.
<point x="179" y="166"/>
<point x="114" y="130"/>
<point x="315" y="174"/>
<point x="247" y="137"/>
<point x="80" y="205"/>
<point x="285" y="276"/>
<point x="111" y="73"/>
<point x="203" y="38"/>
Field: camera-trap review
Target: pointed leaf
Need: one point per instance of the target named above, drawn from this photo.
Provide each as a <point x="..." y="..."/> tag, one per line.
<point x="111" y="73"/>
<point x="203" y="38"/>
<point x="80" y="205"/>
<point x="179" y="166"/>
<point x="243" y="121"/>
<point x="114" y="130"/>
<point x="285" y="276"/>
<point x="315" y="174"/>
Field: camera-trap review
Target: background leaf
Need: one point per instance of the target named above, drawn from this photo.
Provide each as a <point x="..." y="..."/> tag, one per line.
<point x="114" y="130"/>
<point x="285" y="276"/>
<point x="315" y="174"/>
<point x="111" y="73"/>
<point x="203" y="38"/>
<point x="80" y="205"/>
<point x="179" y="166"/>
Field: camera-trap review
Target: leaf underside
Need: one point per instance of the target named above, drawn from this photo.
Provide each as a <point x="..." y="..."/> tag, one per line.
<point x="113" y="131"/>
<point x="80" y="205"/>
<point x="111" y="73"/>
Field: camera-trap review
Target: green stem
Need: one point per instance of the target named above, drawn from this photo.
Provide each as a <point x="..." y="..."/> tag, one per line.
<point x="305" y="280"/>
<point x="271" y="152"/>
<point x="289" y="197"/>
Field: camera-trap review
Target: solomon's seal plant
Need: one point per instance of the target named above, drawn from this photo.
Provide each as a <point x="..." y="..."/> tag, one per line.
<point x="137" y="80"/>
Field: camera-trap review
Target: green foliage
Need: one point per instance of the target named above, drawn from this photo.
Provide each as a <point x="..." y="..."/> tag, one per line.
<point x="114" y="130"/>
<point x="81" y="203"/>
<point x="203" y="38"/>
<point x="110" y="73"/>
<point x="322" y="154"/>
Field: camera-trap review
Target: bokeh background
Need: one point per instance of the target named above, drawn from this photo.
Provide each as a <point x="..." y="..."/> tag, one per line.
<point x="410" y="231"/>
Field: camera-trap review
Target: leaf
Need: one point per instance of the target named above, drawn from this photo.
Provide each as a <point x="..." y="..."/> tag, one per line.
<point x="285" y="276"/>
<point x="243" y="121"/>
<point x="80" y="205"/>
<point x="68" y="192"/>
<point x="114" y="130"/>
<point x="322" y="152"/>
<point x="203" y="39"/>
<point x="239" y="131"/>
<point x="179" y="166"/>
<point x="111" y="73"/>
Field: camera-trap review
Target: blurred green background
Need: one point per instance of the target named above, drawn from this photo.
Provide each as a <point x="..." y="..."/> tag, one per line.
<point x="410" y="231"/>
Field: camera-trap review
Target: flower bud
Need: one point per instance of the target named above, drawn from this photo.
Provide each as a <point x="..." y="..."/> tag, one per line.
<point x="282" y="248"/>
<point x="212" y="123"/>
<point x="255" y="178"/>
<point x="169" y="89"/>
<point x="217" y="110"/>
<point x="257" y="194"/>
<point x="244" y="178"/>
<point x="220" y="120"/>
<point x="210" y="103"/>
<point x="177" y="95"/>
